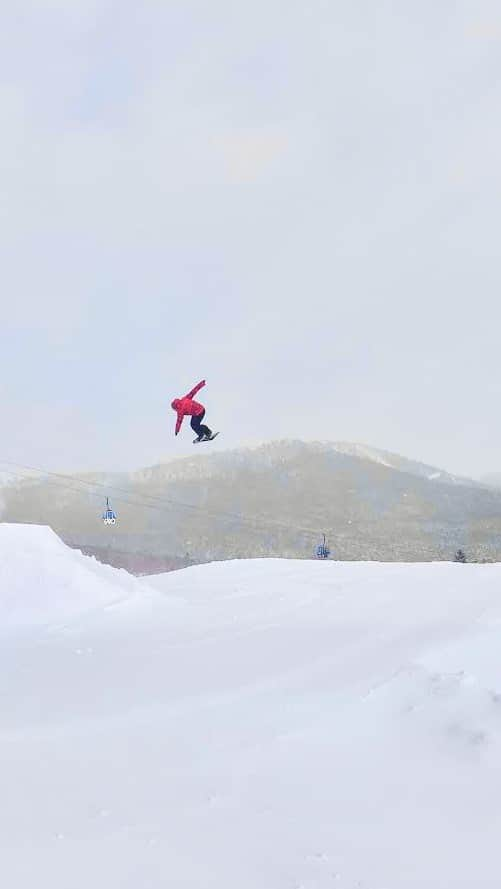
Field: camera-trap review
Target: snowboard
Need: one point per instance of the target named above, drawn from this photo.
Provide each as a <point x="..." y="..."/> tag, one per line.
<point x="199" y="440"/>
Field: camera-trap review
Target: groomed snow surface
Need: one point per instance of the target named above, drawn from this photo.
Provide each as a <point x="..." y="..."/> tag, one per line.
<point x="247" y="725"/>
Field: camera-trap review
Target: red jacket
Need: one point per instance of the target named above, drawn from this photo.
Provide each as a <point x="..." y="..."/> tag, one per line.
<point x="186" y="406"/>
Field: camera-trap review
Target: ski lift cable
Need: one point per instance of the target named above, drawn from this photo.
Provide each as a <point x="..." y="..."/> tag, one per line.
<point x="163" y="503"/>
<point x="96" y="494"/>
<point x="131" y="501"/>
<point x="254" y="521"/>
<point x="162" y="500"/>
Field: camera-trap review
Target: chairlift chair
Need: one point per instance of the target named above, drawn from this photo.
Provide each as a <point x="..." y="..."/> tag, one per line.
<point x="322" y="550"/>
<point x="109" y="516"/>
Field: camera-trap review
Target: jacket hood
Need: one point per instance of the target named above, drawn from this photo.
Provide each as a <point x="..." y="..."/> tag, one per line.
<point x="175" y="404"/>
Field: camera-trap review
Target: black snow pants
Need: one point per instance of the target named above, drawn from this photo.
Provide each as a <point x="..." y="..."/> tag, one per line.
<point x="198" y="426"/>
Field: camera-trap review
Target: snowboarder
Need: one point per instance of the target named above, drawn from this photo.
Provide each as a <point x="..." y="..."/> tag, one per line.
<point x="188" y="407"/>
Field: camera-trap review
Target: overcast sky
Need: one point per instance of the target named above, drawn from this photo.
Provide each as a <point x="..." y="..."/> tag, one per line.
<point x="299" y="201"/>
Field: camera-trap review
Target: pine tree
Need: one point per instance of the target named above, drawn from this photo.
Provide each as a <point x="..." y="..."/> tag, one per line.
<point x="460" y="556"/>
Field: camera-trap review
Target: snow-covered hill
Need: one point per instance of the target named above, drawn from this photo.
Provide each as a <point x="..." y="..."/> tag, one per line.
<point x="401" y="464"/>
<point x="42" y="580"/>
<point x="274" y="500"/>
<point x="252" y="724"/>
<point x="269" y="455"/>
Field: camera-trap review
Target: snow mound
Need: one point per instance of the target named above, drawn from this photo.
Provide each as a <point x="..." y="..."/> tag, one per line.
<point x="266" y="723"/>
<point x="42" y="580"/>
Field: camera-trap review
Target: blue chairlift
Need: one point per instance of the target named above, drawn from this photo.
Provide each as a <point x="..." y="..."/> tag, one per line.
<point x="322" y="551"/>
<point x="109" y="516"/>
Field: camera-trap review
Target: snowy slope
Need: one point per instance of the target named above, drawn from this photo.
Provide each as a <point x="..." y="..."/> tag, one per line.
<point x="249" y="725"/>
<point x="42" y="580"/>
<point x="399" y="463"/>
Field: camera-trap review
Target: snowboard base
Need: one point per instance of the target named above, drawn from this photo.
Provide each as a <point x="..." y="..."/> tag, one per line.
<point x="200" y="440"/>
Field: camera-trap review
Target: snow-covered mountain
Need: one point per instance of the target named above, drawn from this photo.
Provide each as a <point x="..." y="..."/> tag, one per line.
<point x="492" y="479"/>
<point x="247" y="724"/>
<point x="274" y="500"/>
<point x="270" y="454"/>
<point x="402" y="464"/>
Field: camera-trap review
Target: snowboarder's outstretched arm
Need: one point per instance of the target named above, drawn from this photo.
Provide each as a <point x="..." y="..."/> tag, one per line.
<point x="196" y="389"/>
<point x="179" y="421"/>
